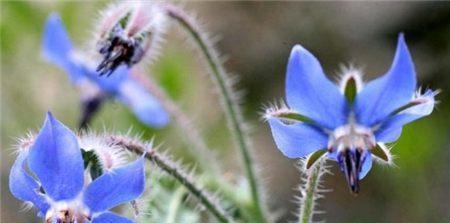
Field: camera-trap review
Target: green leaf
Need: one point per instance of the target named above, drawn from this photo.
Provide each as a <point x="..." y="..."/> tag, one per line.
<point x="350" y="90"/>
<point x="314" y="157"/>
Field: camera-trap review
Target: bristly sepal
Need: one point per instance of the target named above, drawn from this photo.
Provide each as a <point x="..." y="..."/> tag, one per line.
<point x="421" y="103"/>
<point x="382" y="154"/>
<point x="286" y="115"/>
<point x="313" y="158"/>
<point x="351" y="83"/>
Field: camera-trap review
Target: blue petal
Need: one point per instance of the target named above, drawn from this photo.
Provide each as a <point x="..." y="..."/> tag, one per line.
<point x="390" y="128"/>
<point x="367" y="165"/>
<point x="311" y="93"/>
<point x="387" y="135"/>
<point x="121" y="185"/>
<point x="55" y="158"/>
<point x="385" y="94"/>
<point x="144" y="105"/>
<point x="121" y="85"/>
<point x="297" y="140"/>
<point x="23" y="186"/>
<point x="58" y="48"/>
<point x="109" y="84"/>
<point x="109" y="217"/>
<point x="56" y="42"/>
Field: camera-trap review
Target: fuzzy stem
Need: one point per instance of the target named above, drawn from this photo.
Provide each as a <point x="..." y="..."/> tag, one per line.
<point x="310" y="192"/>
<point x="230" y="107"/>
<point x="205" y="156"/>
<point x="173" y="170"/>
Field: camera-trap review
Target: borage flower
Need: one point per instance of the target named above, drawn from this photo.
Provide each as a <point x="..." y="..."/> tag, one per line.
<point x="94" y="88"/>
<point x="350" y="124"/>
<point x="50" y="175"/>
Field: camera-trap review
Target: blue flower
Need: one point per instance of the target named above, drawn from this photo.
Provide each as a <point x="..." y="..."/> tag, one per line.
<point x="50" y="175"/>
<point x="351" y="122"/>
<point x="58" y="49"/>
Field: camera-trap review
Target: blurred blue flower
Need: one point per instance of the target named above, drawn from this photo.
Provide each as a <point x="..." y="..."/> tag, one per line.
<point x="352" y="122"/>
<point x="58" y="49"/>
<point x="50" y="176"/>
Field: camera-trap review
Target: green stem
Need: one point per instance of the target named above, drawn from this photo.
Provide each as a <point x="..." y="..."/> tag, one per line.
<point x="230" y="107"/>
<point x="310" y="192"/>
<point x="173" y="170"/>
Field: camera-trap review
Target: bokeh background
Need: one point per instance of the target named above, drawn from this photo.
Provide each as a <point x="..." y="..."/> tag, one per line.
<point x="257" y="38"/>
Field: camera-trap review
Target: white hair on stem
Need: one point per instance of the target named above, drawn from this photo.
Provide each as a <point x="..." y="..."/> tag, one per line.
<point x="311" y="190"/>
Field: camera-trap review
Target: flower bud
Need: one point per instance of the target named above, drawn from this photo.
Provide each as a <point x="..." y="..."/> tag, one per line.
<point x="127" y="32"/>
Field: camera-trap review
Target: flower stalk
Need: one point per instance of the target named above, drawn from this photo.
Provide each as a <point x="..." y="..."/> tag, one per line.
<point x="231" y="109"/>
<point x="310" y="191"/>
<point x="173" y="170"/>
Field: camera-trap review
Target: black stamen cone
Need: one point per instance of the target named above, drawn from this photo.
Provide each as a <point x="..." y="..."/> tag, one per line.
<point x="117" y="51"/>
<point x="350" y="163"/>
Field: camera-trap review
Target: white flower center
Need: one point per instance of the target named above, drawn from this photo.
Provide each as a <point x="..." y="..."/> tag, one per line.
<point x="351" y="136"/>
<point x="67" y="212"/>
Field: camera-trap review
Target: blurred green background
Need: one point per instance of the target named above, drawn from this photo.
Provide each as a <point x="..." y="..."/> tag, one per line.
<point x="257" y="38"/>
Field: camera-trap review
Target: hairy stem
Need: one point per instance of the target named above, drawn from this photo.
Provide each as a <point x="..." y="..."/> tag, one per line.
<point x="310" y="191"/>
<point x="205" y="156"/>
<point x="230" y="106"/>
<point x="173" y="170"/>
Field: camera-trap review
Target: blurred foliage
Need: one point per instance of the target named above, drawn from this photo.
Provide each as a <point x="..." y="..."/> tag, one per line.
<point x="167" y="202"/>
<point x="256" y="37"/>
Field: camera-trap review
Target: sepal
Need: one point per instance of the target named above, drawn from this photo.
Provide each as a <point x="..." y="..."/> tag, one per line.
<point x="382" y="154"/>
<point x="287" y="116"/>
<point x="314" y="157"/>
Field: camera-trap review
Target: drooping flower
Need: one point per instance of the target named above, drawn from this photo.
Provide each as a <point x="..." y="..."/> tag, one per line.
<point x="94" y="89"/>
<point x="49" y="174"/>
<point x="126" y="32"/>
<point x="350" y="124"/>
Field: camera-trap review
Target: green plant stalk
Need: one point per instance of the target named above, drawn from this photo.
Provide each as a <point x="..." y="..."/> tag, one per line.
<point x="173" y="170"/>
<point x="230" y="107"/>
<point x="310" y="192"/>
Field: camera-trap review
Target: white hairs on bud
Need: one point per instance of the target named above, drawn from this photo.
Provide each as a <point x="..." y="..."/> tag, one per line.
<point x="146" y="21"/>
<point x="110" y="156"/>
<point x="350" y="71"/>
<point x="109" y="17"/>
<point x="146" y="17"/>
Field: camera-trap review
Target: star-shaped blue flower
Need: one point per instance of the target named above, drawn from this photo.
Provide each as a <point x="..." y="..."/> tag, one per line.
<point x="348" y="123"/>
<point x="57" y="48"/>
<point x="50" y="175"/>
